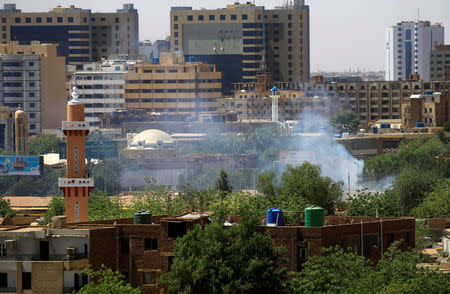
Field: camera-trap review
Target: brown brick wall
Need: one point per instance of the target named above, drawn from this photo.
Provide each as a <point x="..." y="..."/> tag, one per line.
<point x="103" y="248"/>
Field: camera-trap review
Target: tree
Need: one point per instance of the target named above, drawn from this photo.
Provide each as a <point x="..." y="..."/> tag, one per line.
<point x="223" y="184"/>
<point x="57" y="206"/>
<point x="44" y="144"/>
<point x="337" y="271"/>
<point x="105" y="280"/>
<point x="5" y="208"/>
<point x="436" y="202"/>
<point x="345" y="121"/>
<point x="44" y="185"/>
<point x="214" y="259"/>
<point x="303" y="185"/>
<point x="267" y="185"/>
<point x="102" y="206"/>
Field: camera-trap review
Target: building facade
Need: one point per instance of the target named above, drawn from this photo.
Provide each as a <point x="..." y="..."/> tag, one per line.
<point x="82" y="36"/>
<point x="33" y="77"/>
<point x="440" y="63"/>
<point x="369" y="101"/>
<point x="408" y="47"/>
<point x="243" y="40"/>
<point x="100" y="86"/>
<point x="173" y="87"/>
<point x="428" y="110"/>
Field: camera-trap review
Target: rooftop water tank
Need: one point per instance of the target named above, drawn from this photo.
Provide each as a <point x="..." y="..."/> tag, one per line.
<point x="142" y="218"/>
<point x="375" y="130"/>
<point x="420" y="125"/>
<point x="274" y="217"/>
<point x="314" y="216"/>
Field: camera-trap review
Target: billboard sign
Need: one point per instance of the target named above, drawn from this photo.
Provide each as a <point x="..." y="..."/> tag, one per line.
<point x="94" y="149"/>
<point x="21" y="165"/>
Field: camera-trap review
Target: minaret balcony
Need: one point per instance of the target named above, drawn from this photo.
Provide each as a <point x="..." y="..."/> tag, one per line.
<point x="75" y="125"/>
<point x="75" y="182"/>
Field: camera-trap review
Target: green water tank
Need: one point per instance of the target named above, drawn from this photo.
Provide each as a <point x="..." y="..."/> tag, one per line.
<point x="142" y="217"/>
<point x="314" y="216"/>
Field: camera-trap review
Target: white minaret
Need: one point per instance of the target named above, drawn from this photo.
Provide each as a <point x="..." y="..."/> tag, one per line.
<point x="275" y="95"/>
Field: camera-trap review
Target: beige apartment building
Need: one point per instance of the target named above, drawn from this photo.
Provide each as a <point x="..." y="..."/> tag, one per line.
<point x="173" y="87"/>
<point x="82" y="36"/>
<point x="244" y="40"/>
<point x="33" y="77"/>
<point x="440" y="63"/>
<point x="369" y="101"/>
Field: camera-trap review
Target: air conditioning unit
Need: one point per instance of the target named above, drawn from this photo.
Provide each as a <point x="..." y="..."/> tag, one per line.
<point x="71" y="251"/>
<point x="11" y="244"/>
<point x="302" y="244"/>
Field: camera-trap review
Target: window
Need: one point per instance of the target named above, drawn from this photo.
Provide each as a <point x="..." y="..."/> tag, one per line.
<point x="431" y="110"/>
<point x="175" y="17"/>
<point x="124" y="245"/>
<point x="170" y="262"/>
<point x="102" y="19"/>
<point x="176" y="229"/>
<point x="26" y="280"/>
<point x="59" y="19"/>
<point x="290" y="16"/>
<point x="244" y="17"/>
<point x="31" y="95"/>
<point x="17" y="19"/>
<point x="32" y="105"/>
<point x="150" y="244"/>
<point x="31" y="74"/>
<point x="233" y="17"/>
<point x="32" y="126"/>
<point x="49" y="19"/>
<point x="200" y="17"/>
<point x="149" y="277"/>
<point x="31" y="84"/>
<point x="31" y="63"/>
<point x="212" y="17"/>
<point x="70" y="19"/>
<point x="190" y="18"/>
<point x="223" y="17"/>
<point x="28" y="19"/>
<point x="2" y="249"/>
<point x="3" y="280"/>
<point x="275" y="16"/>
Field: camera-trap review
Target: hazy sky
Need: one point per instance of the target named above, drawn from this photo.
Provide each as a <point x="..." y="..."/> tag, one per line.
<point x="346" y="33"/>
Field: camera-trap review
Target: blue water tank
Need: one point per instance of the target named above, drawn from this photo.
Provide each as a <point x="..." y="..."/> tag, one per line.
<point x="191" y="58"/>
<point x="374" y="130"/>
<point x="338" y="136"/>
<point x="429" y="92"/>
<point x="274" y="217"/>
<point x="420" y="125"/>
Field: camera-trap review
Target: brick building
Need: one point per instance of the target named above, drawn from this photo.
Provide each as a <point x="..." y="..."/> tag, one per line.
<point x="431" y="109"/>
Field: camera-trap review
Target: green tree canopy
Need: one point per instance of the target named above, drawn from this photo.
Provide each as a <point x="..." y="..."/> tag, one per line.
<point x="5" y="208"/>
<point x="44" y="144"/>
<point x="223" y="184"/>
<point x="56" y="207"/>
<point x="214" y="259"/>
<point x="345" y="121"/>
<point x="105" y="280"/>
<point x="303" y="185"/>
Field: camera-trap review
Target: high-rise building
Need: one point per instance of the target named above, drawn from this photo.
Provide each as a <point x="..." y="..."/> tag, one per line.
<point x="439" y="61"/>
<point x="101" y="88"/>
<point x="173" y="87"/>
<point x="76" y="186"/>
<point x="243" y="40"/>
<point x="408" y="47"/>
<point x="82" y="36"/>
<point x="33" y="77"/>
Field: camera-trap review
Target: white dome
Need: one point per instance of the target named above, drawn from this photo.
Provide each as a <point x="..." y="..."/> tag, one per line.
<point x="151" y="139"/>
